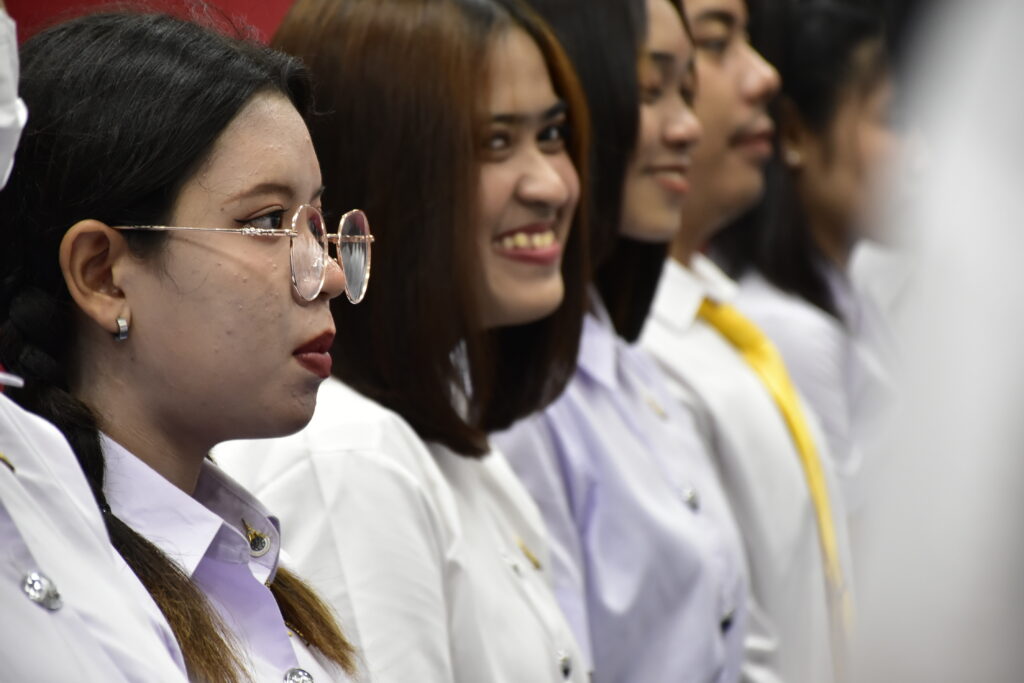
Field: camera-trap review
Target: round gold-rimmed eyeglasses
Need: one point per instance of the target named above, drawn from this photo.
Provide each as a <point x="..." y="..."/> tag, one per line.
<point x="310" y="248"/>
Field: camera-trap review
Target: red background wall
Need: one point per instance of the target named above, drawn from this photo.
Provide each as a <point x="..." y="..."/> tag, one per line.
<point x="263" y="15"/>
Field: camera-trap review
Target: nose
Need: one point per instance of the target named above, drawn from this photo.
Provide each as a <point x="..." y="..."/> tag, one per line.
<point x="761" y="81"/>
<point x="541" y="183"/>
<point x="682" y="128"/>
<point x="334" y="281"/>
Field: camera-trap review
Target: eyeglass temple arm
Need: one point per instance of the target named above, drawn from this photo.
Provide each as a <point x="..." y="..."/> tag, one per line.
<point x="247" y="230"/>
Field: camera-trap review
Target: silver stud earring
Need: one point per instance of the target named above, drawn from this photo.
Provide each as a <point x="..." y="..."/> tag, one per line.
<point x="122" y="329"/>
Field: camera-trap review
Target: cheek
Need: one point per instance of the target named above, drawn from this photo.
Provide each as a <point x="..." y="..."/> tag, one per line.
<point x="566" y="170"/>
<point x="878" y="147"/>
<point x="496" y="192"/>
<point x="649" y="140"/>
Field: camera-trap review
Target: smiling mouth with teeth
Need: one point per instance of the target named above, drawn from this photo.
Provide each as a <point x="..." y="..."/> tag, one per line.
<point x="527" y="240"/>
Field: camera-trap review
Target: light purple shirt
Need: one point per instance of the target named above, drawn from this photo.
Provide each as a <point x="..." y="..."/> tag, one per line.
<point x="206" y="535"/>
<point x="648" y="561"/>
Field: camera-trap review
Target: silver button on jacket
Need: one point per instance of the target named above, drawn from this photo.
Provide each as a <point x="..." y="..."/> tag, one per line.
<point x="41" y="590"/>
<point x="297" y="676"/>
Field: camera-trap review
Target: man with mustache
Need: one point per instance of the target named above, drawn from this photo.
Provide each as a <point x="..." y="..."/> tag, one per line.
<point x="770" y="452"/>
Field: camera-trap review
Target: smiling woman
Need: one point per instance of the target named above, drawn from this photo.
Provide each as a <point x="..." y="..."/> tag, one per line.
<point x="148" y="346"/>
<point x="457" y="125"/>
<point x="648" y="564"/>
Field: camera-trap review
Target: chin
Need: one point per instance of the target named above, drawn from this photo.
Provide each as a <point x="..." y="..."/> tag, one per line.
<point x="523" y="312"/>
<point x="655" y="231"/>
<point x="286" y="419"/>
<point x="746" y="189"/>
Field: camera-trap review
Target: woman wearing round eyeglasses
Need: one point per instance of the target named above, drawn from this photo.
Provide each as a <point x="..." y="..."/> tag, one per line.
<point x="164" y="286"/>
<point x="456" y="125"/>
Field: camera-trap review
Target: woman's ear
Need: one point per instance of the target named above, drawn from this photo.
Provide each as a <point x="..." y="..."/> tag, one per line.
<point x="793" y="135"/>
<point x="91" y="256"/>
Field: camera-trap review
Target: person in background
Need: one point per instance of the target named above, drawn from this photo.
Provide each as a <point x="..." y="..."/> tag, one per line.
<point x="767" y="446"/>
<point x="468" y="127"/>
<point x="837" y="135"/>
<point x="164" y="288"/>
<point x="648" y="561"/>
<point x="59" y="585"/>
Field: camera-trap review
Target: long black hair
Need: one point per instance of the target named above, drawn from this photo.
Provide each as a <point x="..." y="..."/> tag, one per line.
<point x="813" y="44"/>
<point x="124" y="107"/>
<point x="604" y="43"/>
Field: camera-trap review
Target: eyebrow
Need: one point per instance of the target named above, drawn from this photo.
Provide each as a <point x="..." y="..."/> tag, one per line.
<point x="551" y="112"/>
<point x="273" y="188"/>
<point x="665" y="62"/>
<point x="717" y="16"/>
<point x="663" y="59"/>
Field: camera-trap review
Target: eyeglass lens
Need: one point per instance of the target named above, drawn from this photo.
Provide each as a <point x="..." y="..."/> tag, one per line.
<point x="354" y="254"/>
<point x="308" y="252"/>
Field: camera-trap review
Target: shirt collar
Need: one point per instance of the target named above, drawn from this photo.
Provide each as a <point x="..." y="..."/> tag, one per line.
<point x="598" y="343"/>
<point x="682" y="290"/>
<point x="842" y="295"/>
<point x="186" y="528"/>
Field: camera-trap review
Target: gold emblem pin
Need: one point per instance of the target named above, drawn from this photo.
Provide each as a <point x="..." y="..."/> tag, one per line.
<point x="529" y="554"/>
<point x="259" y="542"/>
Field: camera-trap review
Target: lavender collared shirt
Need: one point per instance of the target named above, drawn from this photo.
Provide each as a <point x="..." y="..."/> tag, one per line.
<point x="207" y="535"/>
<point x="648" y="561"/>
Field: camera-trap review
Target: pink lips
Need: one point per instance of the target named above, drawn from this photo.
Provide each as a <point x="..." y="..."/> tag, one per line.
<point x="315" y="355"/>
<point x="672" y="178"/>
<point x="756" y="141"/>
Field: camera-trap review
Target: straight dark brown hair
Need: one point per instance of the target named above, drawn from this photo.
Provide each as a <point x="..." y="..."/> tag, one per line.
<point x="401" y="84"/>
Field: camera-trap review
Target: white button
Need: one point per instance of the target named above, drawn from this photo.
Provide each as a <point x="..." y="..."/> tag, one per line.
<point x="691" y="498"/>
<point x="297" y="675"/>
<point x="565" y="664"/>
<point x="41" y="590"/>
<point x="513" y="563"/>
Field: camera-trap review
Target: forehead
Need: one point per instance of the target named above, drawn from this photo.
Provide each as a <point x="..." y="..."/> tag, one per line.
<point x="518" y="76"/>
<point x="267" y="142"/>
<point x="711" y="11"/>
<point x="665" y="30"/>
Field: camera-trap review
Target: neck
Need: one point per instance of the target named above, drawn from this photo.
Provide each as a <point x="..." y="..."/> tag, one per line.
<point x="699" y="223"/>
<point x="173" y="450"/>
<point x="833" y="242"/>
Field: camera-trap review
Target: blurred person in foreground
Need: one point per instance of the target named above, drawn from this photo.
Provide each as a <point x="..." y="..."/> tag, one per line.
<point x="942" y="596"/>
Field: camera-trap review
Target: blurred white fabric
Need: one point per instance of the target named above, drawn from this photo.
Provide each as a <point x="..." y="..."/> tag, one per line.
<point x="941" y="591"/>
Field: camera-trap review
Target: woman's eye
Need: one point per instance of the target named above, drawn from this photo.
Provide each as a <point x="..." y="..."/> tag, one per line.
<point x="689" y="95"/>
<point x="269" y="221"/>
<point x="715" y="46"/>
<point x="649" y="94"/>
<point x="497" y="142"/>
<point x="554" y="136"/>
